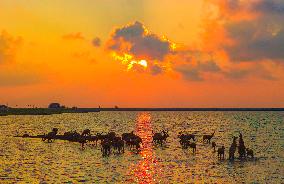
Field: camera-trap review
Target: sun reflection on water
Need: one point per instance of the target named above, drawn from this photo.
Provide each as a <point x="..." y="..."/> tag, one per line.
<point x="147" y="170"/>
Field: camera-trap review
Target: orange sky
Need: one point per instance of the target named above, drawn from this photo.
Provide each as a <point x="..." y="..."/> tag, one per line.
<point x="163" y="53"/>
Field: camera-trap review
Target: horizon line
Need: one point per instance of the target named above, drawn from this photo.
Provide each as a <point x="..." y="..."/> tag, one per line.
<point x="165" y="108"/>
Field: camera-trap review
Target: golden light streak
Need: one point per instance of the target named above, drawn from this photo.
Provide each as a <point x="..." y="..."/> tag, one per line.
<point x="173" y="46"/>
<point x="124" y="59"/>
<point x="127" y="59"/>
<point x="141" y="62"/>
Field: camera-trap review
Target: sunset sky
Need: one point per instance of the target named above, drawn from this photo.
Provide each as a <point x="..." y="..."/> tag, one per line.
<point x="142" y="53"/>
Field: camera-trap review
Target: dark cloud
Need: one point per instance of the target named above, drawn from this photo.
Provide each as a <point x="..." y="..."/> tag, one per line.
<point x="189" y="73"/>
<point x="237" y="73"/>
<point x="243" y="73"/>
<point x="262" y="6"/>
<point x="155" y="70"/>
<point x="8" y="47"/>
<point x="208" y="66"/>
<point x="251" y="47"/>
<point x="130" y="32"/>
<point x="194" y="72"/>
<point x="96" y="42"/>
<point x="260" y="38"/>
<point x="136" y="40"/>
<point x="269" y="6"/>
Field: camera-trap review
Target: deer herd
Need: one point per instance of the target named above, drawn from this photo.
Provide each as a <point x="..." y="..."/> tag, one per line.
<point x="112" y="143"/>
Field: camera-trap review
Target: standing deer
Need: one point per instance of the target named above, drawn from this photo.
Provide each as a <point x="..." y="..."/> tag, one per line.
<point x="191" y="145"/>
<point x="232" y="149"/>
<point x="106" y="147"/>
<point x="160" y="137"/>
<point x="208" y="138"/>
<point x="118" y="145"/>
<point x="221" y="153"/>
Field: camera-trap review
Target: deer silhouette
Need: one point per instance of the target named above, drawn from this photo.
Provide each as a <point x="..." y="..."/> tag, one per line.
<point x="127" y="135"/>
<point x="191" y="145"/>
<point x="160" y="138"/>
<point x="242" y="147"/>
<point x="51" y="135"/>
<point x="106" y="147"/>
<point x="94" y="138"/>
<point x="118" y="144"/>
<point x="82" y="140"/>
<point x="134" y="142"/>
<point x="221" y="153"/>
<point x="207" y="138"/>
<point x="186" y="136"/>
<point x="232" y="149"/>
<point x="86" y="132"/>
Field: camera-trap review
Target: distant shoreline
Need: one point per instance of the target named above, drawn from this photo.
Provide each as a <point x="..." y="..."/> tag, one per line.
<point x="47" y="111"/>
<point x="192" y="109"/>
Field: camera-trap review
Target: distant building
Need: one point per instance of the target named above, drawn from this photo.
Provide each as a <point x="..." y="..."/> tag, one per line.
<point x="4" y="107"/>
<point x="54" y="106"/>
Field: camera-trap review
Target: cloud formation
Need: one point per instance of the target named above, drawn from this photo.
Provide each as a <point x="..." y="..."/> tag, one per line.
<point x="269" y="6"/>
<point x="138" y="41"/>
<point x="194" y="71"/>
<point x="235" y="32"/>
<point x="237" y="73"/>
<point x="156" y="69"/>
<point x="254" y="27"/>
<point x="189" y="73"/>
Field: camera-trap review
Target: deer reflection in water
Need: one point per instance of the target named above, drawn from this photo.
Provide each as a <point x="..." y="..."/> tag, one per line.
<point x="146" y="171"/>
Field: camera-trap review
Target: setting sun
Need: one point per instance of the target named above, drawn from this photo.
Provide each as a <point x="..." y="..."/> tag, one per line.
<point x="143" y="63"/>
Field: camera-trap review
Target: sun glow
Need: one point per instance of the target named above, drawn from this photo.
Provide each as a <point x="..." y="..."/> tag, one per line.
<point x="143" y="63"/>
<point x="127" y="59"/>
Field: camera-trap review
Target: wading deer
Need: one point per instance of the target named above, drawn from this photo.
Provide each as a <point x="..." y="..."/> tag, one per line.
<point x="207" y="138"/>
<point x="221" y="153"/>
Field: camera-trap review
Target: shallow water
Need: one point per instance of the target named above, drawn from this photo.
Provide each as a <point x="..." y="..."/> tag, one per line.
<point x="34" y="161"/>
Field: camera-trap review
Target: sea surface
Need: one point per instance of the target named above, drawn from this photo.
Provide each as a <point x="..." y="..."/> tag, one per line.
<point x="25" y="160"/>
